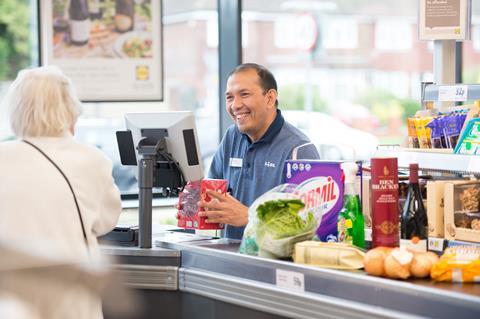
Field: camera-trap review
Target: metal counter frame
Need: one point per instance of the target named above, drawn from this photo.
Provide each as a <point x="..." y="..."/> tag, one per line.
<point x="155" y="268"/>
<point x="250" y="282"/>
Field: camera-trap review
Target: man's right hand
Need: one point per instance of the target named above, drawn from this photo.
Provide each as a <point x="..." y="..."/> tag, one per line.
<point x="225" y="209"/>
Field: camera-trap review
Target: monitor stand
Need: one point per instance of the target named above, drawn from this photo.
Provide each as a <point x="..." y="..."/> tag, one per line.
<point x="154" y="169"/>
<point x="146" y="167"/>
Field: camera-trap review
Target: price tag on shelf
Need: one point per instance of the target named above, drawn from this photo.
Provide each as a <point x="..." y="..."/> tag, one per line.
<point x="454" y="93"/>
<point x="436" y="244"/>
<point x="290" y="280"/>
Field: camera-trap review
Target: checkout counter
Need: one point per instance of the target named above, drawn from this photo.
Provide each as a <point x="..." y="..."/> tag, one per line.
<point x="188" y="276"/>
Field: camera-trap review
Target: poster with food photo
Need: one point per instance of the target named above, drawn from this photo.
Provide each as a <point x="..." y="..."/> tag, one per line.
<point x="111" y="49"/>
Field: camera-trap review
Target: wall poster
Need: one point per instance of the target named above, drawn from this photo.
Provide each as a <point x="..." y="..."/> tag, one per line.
<point x="444" y="19"/>
<point x="111" y="49"/>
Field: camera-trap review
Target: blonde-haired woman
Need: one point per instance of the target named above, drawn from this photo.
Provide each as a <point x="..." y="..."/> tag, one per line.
<point x="55" y="192"/>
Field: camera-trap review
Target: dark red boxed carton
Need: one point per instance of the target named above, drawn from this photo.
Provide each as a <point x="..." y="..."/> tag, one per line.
<point x="384" y="192"/>
<point x="187" y="203"/>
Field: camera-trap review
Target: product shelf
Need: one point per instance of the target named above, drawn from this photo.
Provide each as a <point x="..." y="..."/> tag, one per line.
<point x="432" y="159"/>
<point x="432" y="92"/>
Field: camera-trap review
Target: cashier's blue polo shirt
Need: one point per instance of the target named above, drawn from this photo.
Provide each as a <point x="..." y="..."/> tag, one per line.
<point x="254" y="168"/>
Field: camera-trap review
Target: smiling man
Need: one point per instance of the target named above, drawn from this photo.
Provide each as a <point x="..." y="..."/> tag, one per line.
<point x="253" y="150"/>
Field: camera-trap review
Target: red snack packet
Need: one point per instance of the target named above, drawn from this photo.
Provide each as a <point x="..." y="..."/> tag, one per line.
<point x="187" y="203"/>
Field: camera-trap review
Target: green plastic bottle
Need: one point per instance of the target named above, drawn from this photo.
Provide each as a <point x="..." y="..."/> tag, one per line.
<point x="351" y="224"/>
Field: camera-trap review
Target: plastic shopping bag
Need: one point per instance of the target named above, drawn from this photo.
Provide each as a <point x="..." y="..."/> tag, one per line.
<point x="277" y="221"/>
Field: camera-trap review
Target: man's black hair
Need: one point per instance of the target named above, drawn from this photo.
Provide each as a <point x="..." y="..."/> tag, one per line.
<point x="267" y="80"/>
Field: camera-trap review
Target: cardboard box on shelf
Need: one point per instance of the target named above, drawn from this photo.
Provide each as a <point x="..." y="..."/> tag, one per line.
<point x="435" y="207"/>
<point x="461" y="211"/>
<point x="367" y="201"/>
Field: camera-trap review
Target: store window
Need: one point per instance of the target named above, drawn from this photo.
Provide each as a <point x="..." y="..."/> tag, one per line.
<point x="394" y="34"/>
<point x="212" y="30"/>
<point x="18" y="46"/>
<point x="284" y="34"/>
<point x="190" y="75"/>
<point x="363" y="72"/>
<point x="351" y="71"/>
<point x="476" y="37"/>
<point x="342" y="33"/>
<point x="289" y="31"/>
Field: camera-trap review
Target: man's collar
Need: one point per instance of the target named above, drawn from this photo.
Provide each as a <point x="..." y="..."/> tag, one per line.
<point x="272" y="130"/>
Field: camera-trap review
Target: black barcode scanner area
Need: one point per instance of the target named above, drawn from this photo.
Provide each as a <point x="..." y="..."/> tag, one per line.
<point x="164" y="146"/>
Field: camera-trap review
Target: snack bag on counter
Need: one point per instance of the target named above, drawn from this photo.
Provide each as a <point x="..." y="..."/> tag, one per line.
<point x="188" y="199"/>
<point x="277" y="221"/>
<point x="328" y="255"/>
<point x="458" y="264"/>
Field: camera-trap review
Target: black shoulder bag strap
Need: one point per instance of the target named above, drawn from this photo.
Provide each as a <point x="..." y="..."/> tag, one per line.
<point x="69" y="185"/>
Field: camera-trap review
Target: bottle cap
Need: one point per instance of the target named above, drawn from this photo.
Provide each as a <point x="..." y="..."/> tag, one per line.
<point x="350" y="170"/>
<point x="413" y="173"/>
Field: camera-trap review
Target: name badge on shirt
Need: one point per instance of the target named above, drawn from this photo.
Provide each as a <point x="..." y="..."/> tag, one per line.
<point x="236" y="162"/>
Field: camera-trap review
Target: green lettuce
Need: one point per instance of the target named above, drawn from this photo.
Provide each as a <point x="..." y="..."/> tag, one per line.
<point x="280" y="218"/>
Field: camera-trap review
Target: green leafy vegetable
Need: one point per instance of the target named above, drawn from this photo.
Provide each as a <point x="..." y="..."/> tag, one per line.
<point x="280" y="218"/>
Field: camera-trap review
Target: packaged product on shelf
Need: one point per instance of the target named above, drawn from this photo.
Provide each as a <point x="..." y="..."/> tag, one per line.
<point x="423" y="131"/>
<point x="367" y="200"/>
<point x="188" y="199"/>
<point x="435" y="206"/>
<point x="403" y="188"/>
<point x="467" y="220"/>
<point x="461" y="118"/>
<point x="469" y="199"/>
<point x="322" y="185"/>
<point x="462" y="211"/>
<point x="437" y="137"/>
<point x="451" y="129"/>
<point x="436" y="130"/>
<point x="328" y="255"/>
<point x="414" y="222"/>
<point x="384" y="190"/>
<point x="402" y="195"/>
<point x="351" y="223"/>
<point x="469" y="142"/>
<point x="458" y="264"/>
<point x="469" y="215"/>
<point x="473" y="112"/>
<point x="412" y="133"/>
